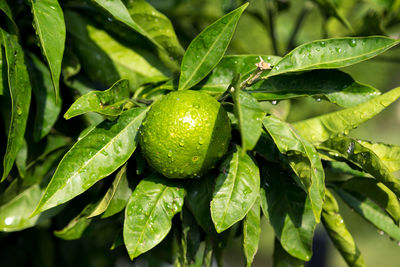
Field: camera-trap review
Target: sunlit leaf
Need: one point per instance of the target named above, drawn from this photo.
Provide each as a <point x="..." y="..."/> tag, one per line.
<point x="110" y="102"/>
<point x="207" y="49"/>
<point x="236" y="190"/>
<point x="96" y="155"/>
<point x="149" y="212"/>
<point x="321" y="128"/>
<point x="332" y="53"/>
<point x="389" y="154"/>
<point x="49" y="24"/>
<point x="338" y="233"/>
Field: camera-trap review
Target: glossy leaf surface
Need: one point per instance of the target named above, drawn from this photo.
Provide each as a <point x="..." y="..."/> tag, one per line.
<point x="236" y="190"/>
<point x="47" y="107"/>
<point x="290" y="213"/>
<point x="207" y="49"/>
<point x="251" y="232"/>
<point x="149" y="212"/>
<point x="334" y="85"/>
<point x="321" y="128"/>
<point x="332" y="53"/>
<point x="20" y="94"/>
<point x="49" y="24"/>
<point x="354" y="152"/>
<point x="110" y="102"/>
<point x="389" y="154"/>
<point x="338" y="233"/>
<point x="96" y="155"/>
<point x="370" y="212"/>
<point x="107" y="60"/>
<point x="303" y="158"/>
<point x="249" y="115"/>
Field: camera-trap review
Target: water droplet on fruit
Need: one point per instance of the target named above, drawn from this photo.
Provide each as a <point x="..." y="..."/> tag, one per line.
<point x="169" y="154"/>
<point x="182" y="142"/>
<point x="197" y="106"/>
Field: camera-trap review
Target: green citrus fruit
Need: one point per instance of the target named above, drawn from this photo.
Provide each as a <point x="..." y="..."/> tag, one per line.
<point x="185" y="134"/>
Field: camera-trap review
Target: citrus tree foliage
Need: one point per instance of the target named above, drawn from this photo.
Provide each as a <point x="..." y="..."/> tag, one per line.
<point x="78" y="78"/>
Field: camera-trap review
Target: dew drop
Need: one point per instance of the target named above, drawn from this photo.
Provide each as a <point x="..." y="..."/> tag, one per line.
<point x="201" y="140"/>
<point x="322" y="44"/>
<point x="381" y="233"/>
<point x="197" y="106"/>
<point x="19" y="111"/>
<point x="274" y="102"/>
<point x="318" y="99"/>
<point x="181" y="143"/>
<point x="169" y="154"/>
<point x="353" y="43"/>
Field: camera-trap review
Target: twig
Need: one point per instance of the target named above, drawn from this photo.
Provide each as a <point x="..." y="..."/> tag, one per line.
<point x="261" y="67"/>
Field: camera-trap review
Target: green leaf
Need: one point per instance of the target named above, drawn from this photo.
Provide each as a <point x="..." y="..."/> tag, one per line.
<point x="249" y="115"/>
<point x="334" y="85"/>
<point x="96" y="155"/>
<point x="116" y="197"/>
<point x="303" y="158"/>
<point x="198" y="198"/>
<point x="236" y="190"/>
<point x="376" y="191"/>
<point x="251" y="232"/>
<point x="106" y="60"/>
<point x="77" y="226"/>
<point x="14" y="214"/>
<point x="49" y="25"/>
<point x="3" y="71"/>
<point x="20" y="95"/>
<point x="20" y="160"/>
<point x="321" y="128"/>
<point x="207" y="49"/>
<point x="338" y="233"/>
<point x="47" y="108"/>
<point x="361" y="156"/>
<point x="283" y="259"/>
<point x="148" y="214"/>
<point x="110" y="102"/>
<point x="389" y="154"/>
<point x="332" y="53"/>
<point x="158" y="28"/>
<point x="370" y="212"/>
<point x="290" y="212"/>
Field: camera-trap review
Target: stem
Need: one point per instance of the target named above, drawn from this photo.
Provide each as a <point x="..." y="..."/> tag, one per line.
<point x="296" y="29"/>
<point x="271" y="20"/>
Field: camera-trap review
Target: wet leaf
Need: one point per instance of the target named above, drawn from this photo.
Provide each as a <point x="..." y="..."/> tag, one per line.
<point x="236" y="190"/>
<point x="290" y="213"/>
<point x="376" y="191"/>
<point x="20" y="95"/>
<point x="110" y="102"/>
<point x="251" y="232"/>
<point x="49" y="24"/>
<point x="333" y="85"/>
<point x="338" y="233"/>
<point x="95" y="156"/>
<point x="207" y="49"/>
<point x="106" y="60"/>
<point x="149" y="212"/>
<point x="303" y="158"/>
<point x="77" y="226"/>
<point x="283" y="259"/>
<point x="332" y="53"/>
<point x="349" y="149"/>
<point x="389" y="154"/>
<point x="249" y="115"/>
<point x="321" y="128"/>
<point x="47" y="108"/>
<point x="116" y="197"/>
<point x="370" y="212"/>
